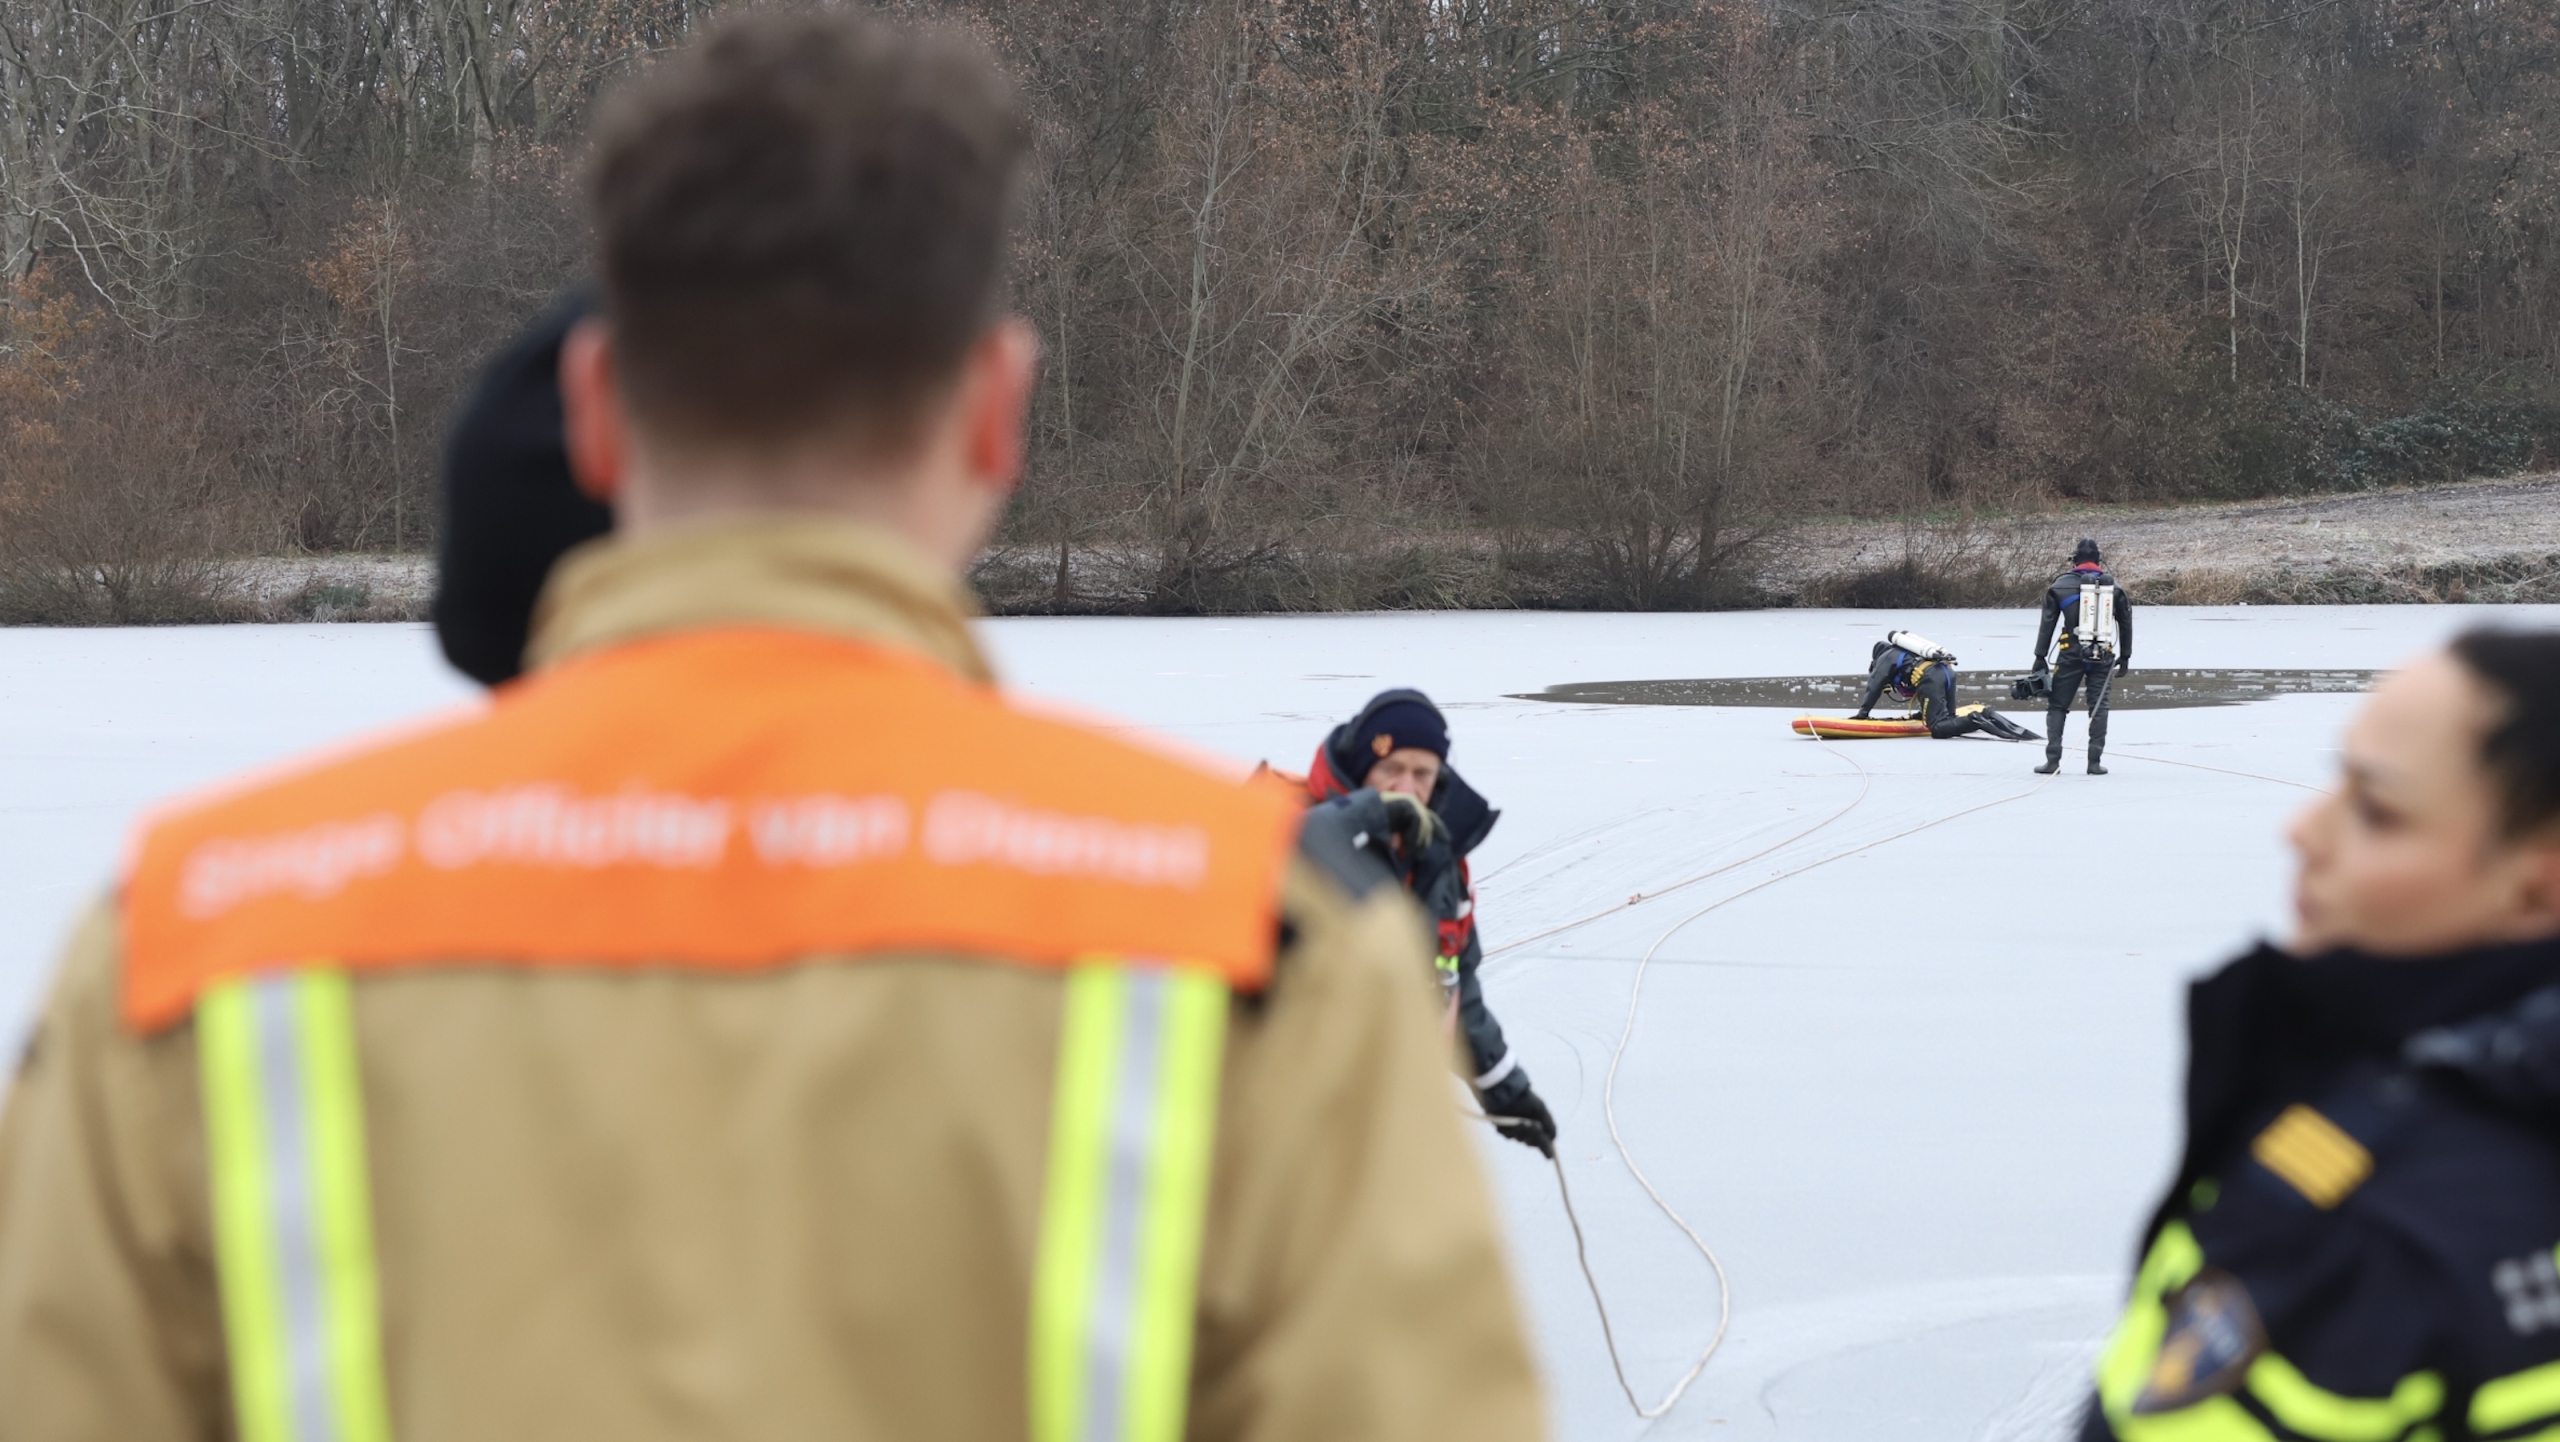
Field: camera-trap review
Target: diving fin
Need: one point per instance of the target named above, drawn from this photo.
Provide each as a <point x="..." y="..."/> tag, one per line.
<point x="1992" y="723"/>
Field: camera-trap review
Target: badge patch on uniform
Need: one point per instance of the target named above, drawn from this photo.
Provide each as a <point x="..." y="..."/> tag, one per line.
<point x="2529" y="1290"/>
<point x="2214" y="1334"/>
<point x="2313" y="1155"/>
<point x="1383" y="744"/>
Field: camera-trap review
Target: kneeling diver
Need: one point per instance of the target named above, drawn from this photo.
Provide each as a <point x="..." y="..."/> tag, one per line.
<point x="1916" y="668"/>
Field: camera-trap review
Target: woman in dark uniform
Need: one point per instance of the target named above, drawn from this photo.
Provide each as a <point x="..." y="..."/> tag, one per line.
<point x="2360" y="1242"/>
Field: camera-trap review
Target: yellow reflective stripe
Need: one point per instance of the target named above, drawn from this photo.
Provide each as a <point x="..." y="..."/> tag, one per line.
<point x="2215" y="1419"/>
<point x="2314" y="1411"/>
<point x="2298" y="1404"/>
<point x="1070" y="1225"/>
<point x="1132" y="1124"/>
<point x="284" y="1140"/>
<point x="244" y="1250"/>
<point x="2514" y="1400"/>
<point x="343" y="1210"/>
<point x="1177" y="1206"/>
<point x="2173" y="1261"/>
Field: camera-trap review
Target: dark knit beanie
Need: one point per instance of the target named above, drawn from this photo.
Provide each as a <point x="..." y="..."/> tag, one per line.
<point x="1400" y="724"/>
<point x="2087" y="550"/>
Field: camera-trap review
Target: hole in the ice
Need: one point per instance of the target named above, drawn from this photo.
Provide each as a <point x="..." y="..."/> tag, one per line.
<point x="2150" y="690"/>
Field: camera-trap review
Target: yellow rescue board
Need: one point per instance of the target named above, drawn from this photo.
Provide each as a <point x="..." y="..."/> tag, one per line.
<point x="1848" y="728"/>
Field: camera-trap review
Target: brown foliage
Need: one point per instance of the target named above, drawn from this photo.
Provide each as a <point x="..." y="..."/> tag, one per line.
<point x="1362" y="302"/>
<point x="108" y="513"/>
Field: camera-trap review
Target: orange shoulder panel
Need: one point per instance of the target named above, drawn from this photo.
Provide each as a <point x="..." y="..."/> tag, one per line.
<point x="729" y="800"/>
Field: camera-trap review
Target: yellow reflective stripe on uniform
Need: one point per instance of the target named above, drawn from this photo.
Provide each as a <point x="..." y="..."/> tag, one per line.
<point x="2300" y="1406"/>
<point x="1131" y="1130"/>
<point x="2314" y="1411"/>
<point x="1177" y="1203"/>
<point x="2172" y="1262"/>
<point x="293" y="1231"/>
<point x="2514" y="1400"/>
<point x="2215" y="1419"/>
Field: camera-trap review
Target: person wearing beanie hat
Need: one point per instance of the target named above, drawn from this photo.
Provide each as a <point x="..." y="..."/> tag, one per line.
<point x="1399" y="745"/>
<point x="1406" y="746"/>
<point x="2096" y="620"/>
<point x="511" y="508"/>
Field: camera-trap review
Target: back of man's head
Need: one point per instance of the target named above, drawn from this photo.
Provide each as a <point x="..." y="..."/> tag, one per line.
<point x="801" y="223"/>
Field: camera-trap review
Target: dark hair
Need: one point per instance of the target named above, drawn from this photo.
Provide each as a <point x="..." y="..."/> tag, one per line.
<point x="801" y="222"/>
<point x="2523" y="747"/>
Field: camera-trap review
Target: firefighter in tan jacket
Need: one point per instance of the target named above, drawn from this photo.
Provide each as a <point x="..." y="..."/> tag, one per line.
<point x="749" y="1024"/>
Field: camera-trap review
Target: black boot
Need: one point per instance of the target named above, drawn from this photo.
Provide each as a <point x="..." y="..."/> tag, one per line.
<point x="2052" y="742"/>
<point x="2094" y="768"/>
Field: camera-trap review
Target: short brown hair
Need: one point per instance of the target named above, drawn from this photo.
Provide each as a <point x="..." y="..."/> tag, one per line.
<point x="801" y="222"/>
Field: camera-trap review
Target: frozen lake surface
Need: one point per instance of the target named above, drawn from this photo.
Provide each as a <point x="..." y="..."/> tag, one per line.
<point x="1917" y="1089"/>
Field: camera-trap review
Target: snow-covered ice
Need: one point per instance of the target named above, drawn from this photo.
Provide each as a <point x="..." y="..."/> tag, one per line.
<point x="1917" y="1098"/>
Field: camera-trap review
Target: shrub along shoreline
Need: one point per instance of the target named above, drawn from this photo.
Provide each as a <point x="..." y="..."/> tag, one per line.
<point x="2494" y="541"/>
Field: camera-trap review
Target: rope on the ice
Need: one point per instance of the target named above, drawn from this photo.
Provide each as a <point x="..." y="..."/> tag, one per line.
<point x="1639" y="898"/>
<point x="1609" y="1110"/>
<point x="1582" y="1254"/>
<point x="1608" y="1334"/>
<point x="2223" y="770"/>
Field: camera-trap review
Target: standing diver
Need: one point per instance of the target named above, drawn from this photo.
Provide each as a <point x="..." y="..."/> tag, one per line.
<point x="2097" y="646"/>
<point x="1399" y="744"/>
<point x="1917" y="668"/>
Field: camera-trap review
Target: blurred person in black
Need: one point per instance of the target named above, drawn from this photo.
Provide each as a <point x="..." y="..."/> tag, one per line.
<point x="2359" y="1242"/>
<point x="511" y="508"/>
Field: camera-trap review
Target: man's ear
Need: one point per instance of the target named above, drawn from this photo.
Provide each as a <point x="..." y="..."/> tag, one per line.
<point x="592" y="419"/>
<point x="1002" y="370"/>
<point x="2540" y="897"/>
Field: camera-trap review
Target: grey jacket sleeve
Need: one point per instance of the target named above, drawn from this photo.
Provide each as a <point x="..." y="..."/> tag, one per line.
<point x="1495" y="1072"/>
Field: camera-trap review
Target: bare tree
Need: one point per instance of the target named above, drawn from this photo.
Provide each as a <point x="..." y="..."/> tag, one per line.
<point x="1344" y="298"/>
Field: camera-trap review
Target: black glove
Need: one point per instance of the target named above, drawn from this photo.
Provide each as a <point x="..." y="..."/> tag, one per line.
<point x="2038" y="668"/>
<point x="2125" y="666"/>
<point x="1412" y="821"/>
<point x="1381" y="816"/>
<point x="1526" y="1120"/>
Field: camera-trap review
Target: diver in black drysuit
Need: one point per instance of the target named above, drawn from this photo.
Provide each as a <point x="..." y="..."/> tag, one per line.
<point x="2093" y="652"/>
<point x="1926" y="678"/>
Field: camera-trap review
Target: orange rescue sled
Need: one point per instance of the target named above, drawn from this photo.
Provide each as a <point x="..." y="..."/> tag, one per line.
<point x="1849" y="728"/>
